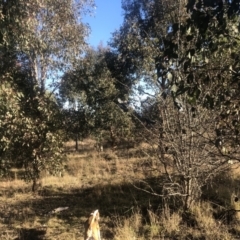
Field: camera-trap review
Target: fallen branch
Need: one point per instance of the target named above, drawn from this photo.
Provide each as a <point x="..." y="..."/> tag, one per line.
<point x="57" y="210"/>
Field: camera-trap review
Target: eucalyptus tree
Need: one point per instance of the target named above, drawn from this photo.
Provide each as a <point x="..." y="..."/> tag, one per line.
<point x="51" y="33"/>
<point x="187" y="51"/>
<point x="39" y="39"/>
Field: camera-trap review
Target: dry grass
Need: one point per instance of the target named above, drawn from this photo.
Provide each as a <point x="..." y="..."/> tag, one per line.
<point x="94" y="180"/>
<point x="129" y="228"/>
<point x="210" y="227"/>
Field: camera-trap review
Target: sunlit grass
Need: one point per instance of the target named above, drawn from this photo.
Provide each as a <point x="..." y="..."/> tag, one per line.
<point x="102" y="180"/>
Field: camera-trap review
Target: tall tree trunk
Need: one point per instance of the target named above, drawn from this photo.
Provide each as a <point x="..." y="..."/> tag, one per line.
<point x="76" y="142"/>
<point x="192" y="192"/>
<point x="113" y="138"/>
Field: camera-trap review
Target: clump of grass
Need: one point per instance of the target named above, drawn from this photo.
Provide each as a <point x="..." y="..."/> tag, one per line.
<point x="75" y="165"/>
<point x="129" y="228"/>
<point x="108" y="155"/>
<point x="157" y="227"/>
<point x="8" y="235"/>
<point x="210" y="227"/>
<point x="171" y="222"/>
<point x="153" y="229"/>
<point x="163" y="224"/>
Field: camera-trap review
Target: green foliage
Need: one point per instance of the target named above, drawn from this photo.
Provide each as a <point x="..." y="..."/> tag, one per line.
<point x="187" y="54"/>
<point x="183" y="49"/>
<point x="94" y="87"/>
<point x="31" y="135"/>
<point x="50" y="33"/>
<point x="38" y="40"/>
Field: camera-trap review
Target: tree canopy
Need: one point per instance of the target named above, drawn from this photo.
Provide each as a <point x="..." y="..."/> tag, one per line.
<point x="96" y="86"/>
<point x="38" y="40"/>
<point x="187" y="51"/>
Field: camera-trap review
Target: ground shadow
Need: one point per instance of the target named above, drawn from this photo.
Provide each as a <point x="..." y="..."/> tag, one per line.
<point x="31" y="234"/>
<point x="111" y="200"/>
<point x="120" y="200"/>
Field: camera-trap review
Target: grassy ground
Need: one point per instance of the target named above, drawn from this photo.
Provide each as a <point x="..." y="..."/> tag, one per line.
<point x="105" y="181"/>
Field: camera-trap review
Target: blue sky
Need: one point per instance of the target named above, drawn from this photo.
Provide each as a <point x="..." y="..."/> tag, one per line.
<point x="108" y="18"/>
